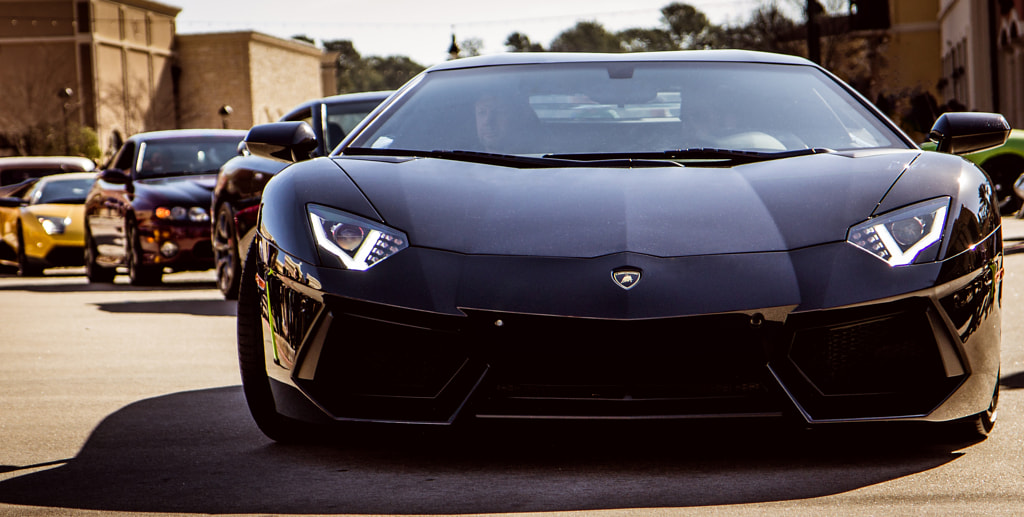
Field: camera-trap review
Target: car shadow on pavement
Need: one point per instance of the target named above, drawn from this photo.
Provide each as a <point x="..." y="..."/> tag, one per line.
<point x="199" y="307"/>
<point x="200" y="453"/>
<point x="1013" y="381"/>
<point x="79" y="286"/>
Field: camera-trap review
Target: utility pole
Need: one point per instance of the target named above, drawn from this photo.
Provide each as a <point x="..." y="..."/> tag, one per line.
<point x="814" y="9"/>
<point x="65" y="94"/>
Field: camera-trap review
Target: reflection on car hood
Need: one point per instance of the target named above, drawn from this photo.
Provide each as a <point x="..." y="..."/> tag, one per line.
<point x="672" y="211"/>
<point x="181" y="189"/>
<point x="64" y="211"/>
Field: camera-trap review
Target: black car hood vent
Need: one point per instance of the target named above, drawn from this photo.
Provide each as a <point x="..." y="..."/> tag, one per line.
<point x="588" y="212"/>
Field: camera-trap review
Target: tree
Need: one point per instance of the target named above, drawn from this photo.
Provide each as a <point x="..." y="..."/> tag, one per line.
<point x="586" y="37"/>
<point x="768" y="30"/>
<point x="646" y="40"/>
<point x="689" y="27"/>
<point x="390" y="72"/>
<point x="519" y="42"/>
<point x="358" y="74"/>
<point x="470" y="47"/>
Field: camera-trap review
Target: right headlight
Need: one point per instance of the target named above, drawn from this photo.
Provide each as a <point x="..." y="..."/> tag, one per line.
<point x="898" y="237"/>
<point x="351" y="242"/>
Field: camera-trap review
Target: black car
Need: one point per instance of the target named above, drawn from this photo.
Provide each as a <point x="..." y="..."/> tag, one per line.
<point x="625" y="236"/>
<point x="240" y="182"/>
<point x="149" y="211"/>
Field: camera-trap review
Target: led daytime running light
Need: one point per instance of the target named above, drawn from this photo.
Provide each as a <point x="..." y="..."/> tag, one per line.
<point x="877" y="235"/>
<point x="378" y="242"/>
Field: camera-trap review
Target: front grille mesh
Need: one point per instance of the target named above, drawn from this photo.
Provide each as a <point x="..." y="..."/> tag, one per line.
<point x="889" y="354"/>
<point x="852" y="363"/>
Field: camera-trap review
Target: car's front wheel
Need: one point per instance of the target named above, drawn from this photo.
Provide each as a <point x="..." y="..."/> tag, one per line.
<point x="25" y="267"/>
<point x="139" y="273"/>
<point x="252" y="365"/>
<point x="977" y="427"/>
<point x="225" y="252"/>
<point x="986" y="420"/>
<point x="96" y="273"/>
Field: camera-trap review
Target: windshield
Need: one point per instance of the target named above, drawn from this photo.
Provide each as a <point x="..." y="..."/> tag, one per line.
<point x="70" y="191"/>
<point x="627" y="108"/>
<point x="184" y="156"/>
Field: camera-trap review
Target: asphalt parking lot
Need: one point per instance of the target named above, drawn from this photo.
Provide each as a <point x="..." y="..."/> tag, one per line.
<point x="123" y="400"/>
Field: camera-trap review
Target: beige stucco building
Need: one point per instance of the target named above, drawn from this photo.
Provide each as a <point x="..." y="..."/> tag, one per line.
<point x="983" y="55"/>
<point x="1009" y="36"/>
<point x="260" y="77"/>
<point x="966" y="50"/>
<point x="914" y="63"/>
<point x="114" y="56"/>
<point x="119" y="67"/>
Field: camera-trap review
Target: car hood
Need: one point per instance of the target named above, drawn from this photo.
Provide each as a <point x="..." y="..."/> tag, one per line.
<point x="671" y="211"/>
<point x="74" y="210"/>
<point x="179" y="189"/>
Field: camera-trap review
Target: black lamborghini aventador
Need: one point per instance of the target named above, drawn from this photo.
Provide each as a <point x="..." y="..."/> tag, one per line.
<point x="630" y="236"/>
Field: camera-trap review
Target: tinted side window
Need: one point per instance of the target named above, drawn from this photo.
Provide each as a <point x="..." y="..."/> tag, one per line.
<point x="125" y="157"/>
<point x="304" y="116"/>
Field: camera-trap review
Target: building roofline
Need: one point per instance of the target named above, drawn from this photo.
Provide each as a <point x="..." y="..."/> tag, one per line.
<point x="150" y="5"/>
<point x="290" y="44"/>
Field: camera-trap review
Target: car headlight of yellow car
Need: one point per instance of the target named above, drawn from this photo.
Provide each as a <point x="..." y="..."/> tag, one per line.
<point x="53" y="225"/>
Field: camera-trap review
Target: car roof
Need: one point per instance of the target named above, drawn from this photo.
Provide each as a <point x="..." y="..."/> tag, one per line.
<point x="526" y="58"/>
<point x="32" y="162"/>
<point x="171" y="134"/>
<point x="343" y="98"/>
<point x="354" y="97"/>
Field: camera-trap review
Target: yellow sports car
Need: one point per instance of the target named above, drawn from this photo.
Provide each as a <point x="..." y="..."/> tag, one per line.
<point x="41" y="223"/>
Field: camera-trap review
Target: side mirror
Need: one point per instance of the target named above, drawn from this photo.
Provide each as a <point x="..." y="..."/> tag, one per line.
<point x="115" y="176"/>
<point x="282" y="141"/>
<point x="963" y="132"/>
<point x="12" y="202"/>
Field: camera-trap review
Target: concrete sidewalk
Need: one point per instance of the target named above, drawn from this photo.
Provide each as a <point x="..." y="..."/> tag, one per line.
<point x="1013" y="228"/>
<point x="1013" y="234"/>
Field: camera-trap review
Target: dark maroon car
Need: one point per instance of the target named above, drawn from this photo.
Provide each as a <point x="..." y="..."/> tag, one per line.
<point x="236" y="197"/>
<point x="149" y="210"/>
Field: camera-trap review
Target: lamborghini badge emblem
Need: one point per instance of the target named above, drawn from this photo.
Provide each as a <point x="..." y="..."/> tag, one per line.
<point x="626" y="278"/>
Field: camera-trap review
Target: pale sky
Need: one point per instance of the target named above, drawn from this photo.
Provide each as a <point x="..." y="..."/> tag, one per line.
<point x="421" y="29"/>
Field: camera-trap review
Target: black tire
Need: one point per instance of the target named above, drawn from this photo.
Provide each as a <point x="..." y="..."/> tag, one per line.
<point x="225" y="252"/>
<point x="252" y="365"/>
<point x="977" y="427"/>
<point x="1004" y="171"/>
<point x="25" y="267"/>
<point x="985" y="421"/>
<point x="96" y="273"/>
<point x="138" y="273"/>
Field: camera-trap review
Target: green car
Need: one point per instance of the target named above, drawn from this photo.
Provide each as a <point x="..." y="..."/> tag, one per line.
<point x="1004" y="164"/>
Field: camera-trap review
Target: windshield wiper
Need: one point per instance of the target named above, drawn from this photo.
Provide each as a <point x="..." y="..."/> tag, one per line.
<point x="510" y="160"/>
<point x="507" y="160"/>
<point x="62" y="201"/>
<point x="175" y="174"/>
<point x="710" y="156"/>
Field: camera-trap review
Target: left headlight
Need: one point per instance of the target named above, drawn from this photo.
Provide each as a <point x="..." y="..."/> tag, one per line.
<point x="356" y="243"/>
<point x="53" y="225"/>
<point x="898" y="237"/>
